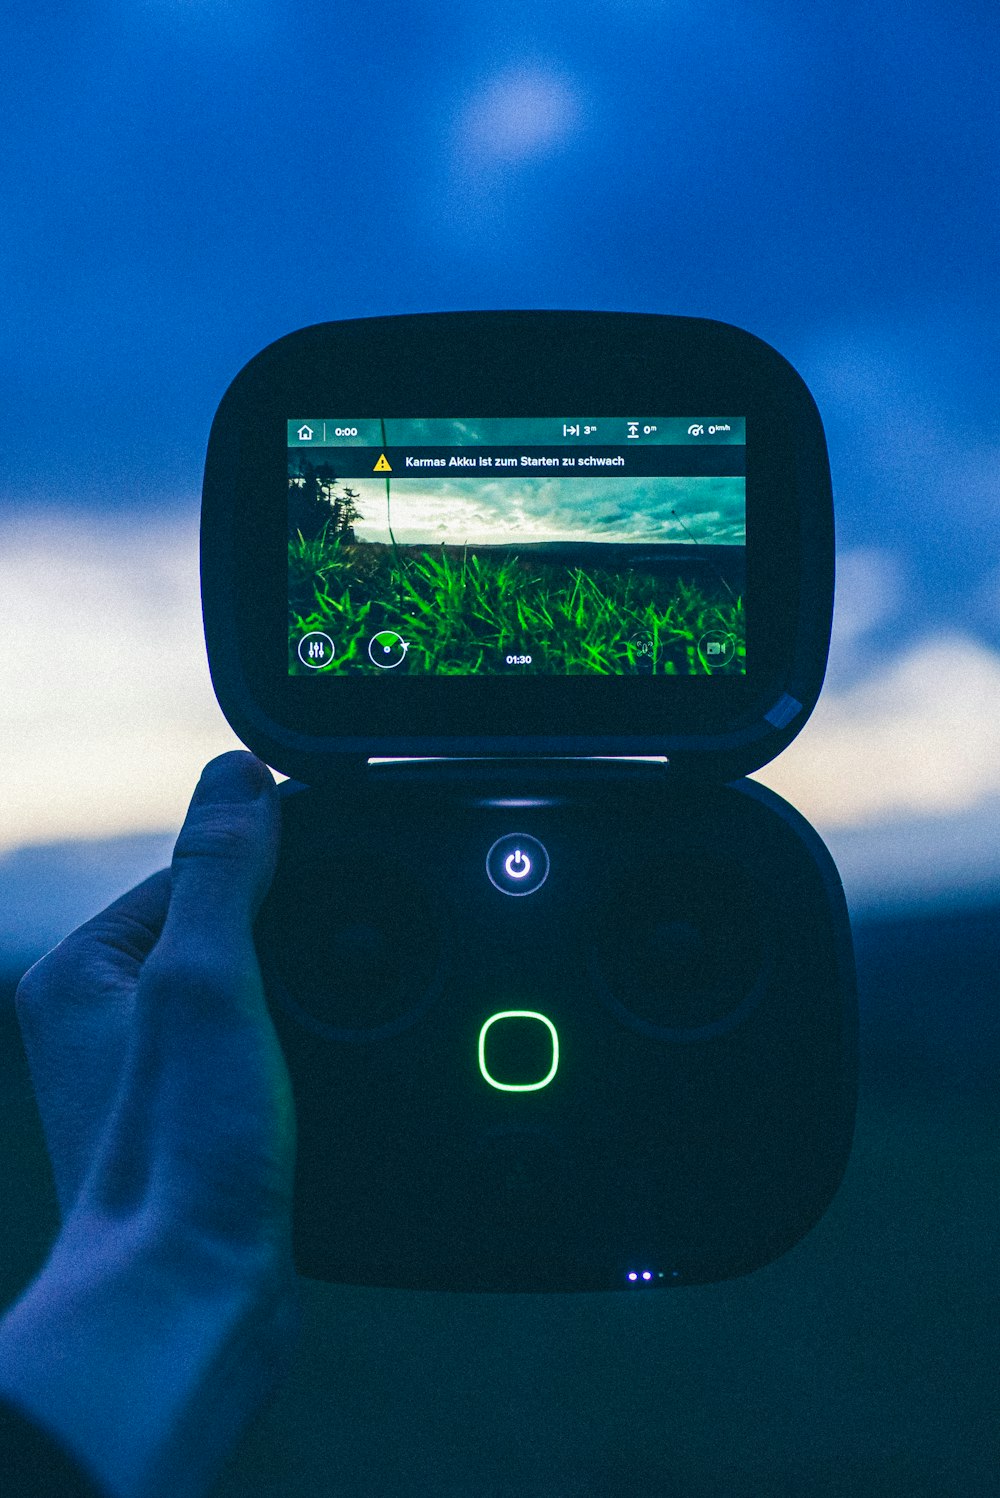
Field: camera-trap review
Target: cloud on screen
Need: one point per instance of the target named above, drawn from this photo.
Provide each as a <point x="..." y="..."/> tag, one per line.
<point x="491" y="511"/>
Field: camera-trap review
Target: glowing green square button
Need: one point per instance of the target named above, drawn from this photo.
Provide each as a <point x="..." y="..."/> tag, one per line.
<point x="518" y="1086"/>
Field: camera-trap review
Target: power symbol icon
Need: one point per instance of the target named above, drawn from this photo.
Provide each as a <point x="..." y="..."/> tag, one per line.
<point x="517" y="864"/>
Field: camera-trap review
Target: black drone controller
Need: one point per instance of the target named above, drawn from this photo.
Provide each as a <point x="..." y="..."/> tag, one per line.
<point x="568" y="1003"/>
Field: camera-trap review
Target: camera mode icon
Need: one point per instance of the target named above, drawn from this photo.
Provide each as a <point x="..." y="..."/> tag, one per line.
<point x="716" y="648"/>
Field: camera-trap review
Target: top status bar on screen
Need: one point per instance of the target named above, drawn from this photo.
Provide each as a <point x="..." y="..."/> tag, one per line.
<point x="507" y="431"/>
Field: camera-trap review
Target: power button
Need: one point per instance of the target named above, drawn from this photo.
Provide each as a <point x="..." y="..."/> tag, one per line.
<point x="517" y="864"/>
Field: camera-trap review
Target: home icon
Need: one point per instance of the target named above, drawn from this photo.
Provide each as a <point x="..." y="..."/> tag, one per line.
<point x="305" y="434"/>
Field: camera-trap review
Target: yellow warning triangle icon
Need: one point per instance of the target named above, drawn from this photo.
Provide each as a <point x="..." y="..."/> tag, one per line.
<point x="383" y="465"/>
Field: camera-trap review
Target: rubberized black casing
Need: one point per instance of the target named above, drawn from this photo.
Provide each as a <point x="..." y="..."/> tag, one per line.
<point x="510" y="364"/>
<point x="688" y="953"/>
<point x="690" y="948"/>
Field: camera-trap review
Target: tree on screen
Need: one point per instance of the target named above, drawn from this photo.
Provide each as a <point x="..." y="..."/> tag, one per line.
<point x="315" y="507"/>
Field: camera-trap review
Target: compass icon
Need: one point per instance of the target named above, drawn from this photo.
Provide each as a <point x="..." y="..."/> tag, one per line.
<point x="387" y="649"/>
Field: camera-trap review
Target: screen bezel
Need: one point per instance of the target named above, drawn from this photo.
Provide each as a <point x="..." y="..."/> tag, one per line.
<point x="517" y="364"/>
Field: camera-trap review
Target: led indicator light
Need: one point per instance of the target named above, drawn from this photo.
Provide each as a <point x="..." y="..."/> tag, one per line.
<point x="518" y="1086"/>
<point x="517" y="864"/>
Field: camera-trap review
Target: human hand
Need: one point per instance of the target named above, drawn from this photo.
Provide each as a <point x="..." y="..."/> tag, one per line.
<point x="168" y="1116"/>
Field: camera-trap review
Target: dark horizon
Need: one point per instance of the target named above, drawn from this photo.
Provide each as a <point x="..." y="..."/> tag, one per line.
<point x="665" y="550"/>
<point x="682" y="547"/>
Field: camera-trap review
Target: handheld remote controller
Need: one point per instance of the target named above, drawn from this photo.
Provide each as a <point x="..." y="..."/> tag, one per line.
<point x="518" y="600"/>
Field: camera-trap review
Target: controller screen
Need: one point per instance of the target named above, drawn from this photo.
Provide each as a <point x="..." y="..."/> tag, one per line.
<point x="564" y="546"/>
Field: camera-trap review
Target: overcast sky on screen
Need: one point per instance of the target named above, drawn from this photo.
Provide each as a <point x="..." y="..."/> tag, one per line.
<point x="184" y="183"/>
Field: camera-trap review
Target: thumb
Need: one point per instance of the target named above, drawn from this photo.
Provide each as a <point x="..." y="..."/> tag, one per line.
<point x="205" y="1107"/>
<point x="224" y="858"/>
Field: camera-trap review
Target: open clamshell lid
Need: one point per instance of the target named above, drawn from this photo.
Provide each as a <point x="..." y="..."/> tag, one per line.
<point x="723" y="486"/>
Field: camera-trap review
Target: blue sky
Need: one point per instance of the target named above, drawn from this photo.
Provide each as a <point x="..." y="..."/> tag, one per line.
<point x="184" y="182"/>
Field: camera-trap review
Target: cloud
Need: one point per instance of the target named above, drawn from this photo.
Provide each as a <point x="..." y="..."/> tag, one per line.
<point x="869" y="592"/>
<point x="918" y="736"/>
<point x="908" y="723"/>
<point x="520" y="115"/>
<point x="920" y="861"/>
<point x="489" y="183"/>
<point x="481" y="510"/>
<point x="107" y="713"/>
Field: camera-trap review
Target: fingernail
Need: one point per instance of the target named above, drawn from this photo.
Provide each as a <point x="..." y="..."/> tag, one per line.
<point x="232" y="777"/>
